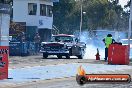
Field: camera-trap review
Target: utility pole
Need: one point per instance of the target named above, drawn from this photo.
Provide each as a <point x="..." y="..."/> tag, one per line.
<point x="130" y="24"/>
<point x="81" y="19"/>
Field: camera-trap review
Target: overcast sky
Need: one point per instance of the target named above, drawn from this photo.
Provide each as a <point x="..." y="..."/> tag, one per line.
<point x="123" y="2"/>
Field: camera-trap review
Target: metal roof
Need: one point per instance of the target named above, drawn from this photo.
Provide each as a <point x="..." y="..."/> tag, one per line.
<point x="125" y="39"/>
<point x="64" y="35"/>
<point x="52" y="0"/>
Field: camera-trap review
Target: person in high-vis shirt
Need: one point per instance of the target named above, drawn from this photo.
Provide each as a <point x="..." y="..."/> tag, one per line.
<point x="108" y="40"/>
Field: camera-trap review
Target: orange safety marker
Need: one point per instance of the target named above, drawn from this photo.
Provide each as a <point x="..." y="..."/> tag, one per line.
<point x="97" y="55"/>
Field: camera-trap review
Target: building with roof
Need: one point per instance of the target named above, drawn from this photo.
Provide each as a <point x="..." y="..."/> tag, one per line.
<point x="36" y="14"/>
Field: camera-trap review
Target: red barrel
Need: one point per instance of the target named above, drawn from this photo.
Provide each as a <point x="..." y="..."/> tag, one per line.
<point x="118" y="54"/>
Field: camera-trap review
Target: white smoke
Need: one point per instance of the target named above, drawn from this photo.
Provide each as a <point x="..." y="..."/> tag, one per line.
<point x="91" y="51"/>
<point x="92" y="44"/>
<point x="94" y="41"/>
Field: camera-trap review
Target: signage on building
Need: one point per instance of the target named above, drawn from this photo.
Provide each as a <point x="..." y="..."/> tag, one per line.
<point x="5" y="8"/>
<point x="40" y="22"/>
<point x="45" y="24"/>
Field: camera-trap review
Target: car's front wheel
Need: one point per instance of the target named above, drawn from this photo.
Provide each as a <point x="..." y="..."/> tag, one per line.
<point x="59" y="56"/>
<point x="45" y="55"/>
<point x="81" y="54"/>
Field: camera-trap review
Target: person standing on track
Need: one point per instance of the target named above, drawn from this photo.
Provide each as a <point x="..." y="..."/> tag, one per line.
<point x="108" y="40"/>
<point x="37" y="42"/>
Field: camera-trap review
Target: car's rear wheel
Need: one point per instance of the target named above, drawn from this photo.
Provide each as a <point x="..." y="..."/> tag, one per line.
<point x="67" y="56"/>
<point x="80" y="57"/>
<point x="45" y="55"/>
<point x="59" y="56"/>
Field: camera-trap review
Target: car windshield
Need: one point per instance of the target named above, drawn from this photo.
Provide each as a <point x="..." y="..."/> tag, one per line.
<point x="62" y="39"/>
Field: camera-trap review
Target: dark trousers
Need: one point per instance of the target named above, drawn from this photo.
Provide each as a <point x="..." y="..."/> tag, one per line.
<point x="36" y="47"/>
<point x="106" y="53"/>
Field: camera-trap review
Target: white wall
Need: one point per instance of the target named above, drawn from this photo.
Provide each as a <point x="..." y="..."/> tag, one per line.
<point x="4" y="29"/>
<point x="20" y="13"/>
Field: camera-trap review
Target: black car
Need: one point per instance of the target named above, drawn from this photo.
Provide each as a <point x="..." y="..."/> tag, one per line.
<point x="63" y="45"/>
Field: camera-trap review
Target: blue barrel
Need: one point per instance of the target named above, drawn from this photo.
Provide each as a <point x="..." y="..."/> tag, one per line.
<point x="24" y="49"/>
<point x="18" y="49"/>
<point x="14" y="49"/>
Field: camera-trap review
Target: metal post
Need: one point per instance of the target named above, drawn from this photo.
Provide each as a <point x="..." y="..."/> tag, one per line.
<point x="81" y="19"/>
<point x="4" y="39"/>
<point x="130" y="24"/>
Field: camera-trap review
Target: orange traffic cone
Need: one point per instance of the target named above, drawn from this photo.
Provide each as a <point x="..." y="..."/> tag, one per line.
<point x="97" y="55"/>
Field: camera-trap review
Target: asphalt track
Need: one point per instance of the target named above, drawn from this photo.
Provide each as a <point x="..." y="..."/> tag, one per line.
<point x="67" y="82"/>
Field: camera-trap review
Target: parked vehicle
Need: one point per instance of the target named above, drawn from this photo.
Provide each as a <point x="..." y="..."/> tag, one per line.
<point x="63" y="45"/>
<point x="125" y="42"/>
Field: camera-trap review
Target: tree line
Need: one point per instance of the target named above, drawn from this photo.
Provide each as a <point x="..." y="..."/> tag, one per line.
<point x="98" y="14"/>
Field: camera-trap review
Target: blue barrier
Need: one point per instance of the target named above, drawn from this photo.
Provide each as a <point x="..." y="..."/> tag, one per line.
<point x="21" y="48"/>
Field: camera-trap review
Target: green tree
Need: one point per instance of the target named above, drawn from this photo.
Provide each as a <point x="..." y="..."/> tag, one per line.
<point x="62" y="16"/>
<point x="99" y="13"/>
